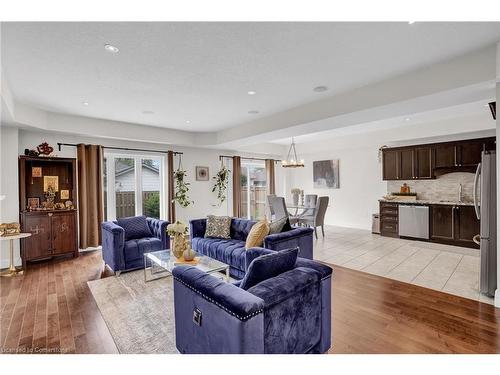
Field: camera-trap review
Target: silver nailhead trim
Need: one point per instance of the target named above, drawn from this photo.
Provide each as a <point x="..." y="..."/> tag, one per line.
<point x="218" y="304"/>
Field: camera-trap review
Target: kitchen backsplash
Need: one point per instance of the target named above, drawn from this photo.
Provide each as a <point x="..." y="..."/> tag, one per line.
<point x="444" y="187"/>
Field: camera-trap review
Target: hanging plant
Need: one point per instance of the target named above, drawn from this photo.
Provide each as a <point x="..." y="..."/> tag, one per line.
<point x="181" y="187"/>
<point x="221" y="181"/>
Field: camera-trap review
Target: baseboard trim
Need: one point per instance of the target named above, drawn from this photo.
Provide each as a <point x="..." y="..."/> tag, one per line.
<point x="497" y="298"/>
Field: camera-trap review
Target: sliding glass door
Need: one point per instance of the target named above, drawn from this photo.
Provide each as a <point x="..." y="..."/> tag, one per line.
<point x="134" y="185"/>
<point x="253" y="189"/>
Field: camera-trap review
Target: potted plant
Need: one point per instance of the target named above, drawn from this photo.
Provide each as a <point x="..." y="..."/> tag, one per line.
<point x="181" y="188"/>
<point x="177" y="232"/>
<point x="221" y="181"/>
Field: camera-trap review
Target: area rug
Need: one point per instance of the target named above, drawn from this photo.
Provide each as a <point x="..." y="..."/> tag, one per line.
<point x="139" y="315"/>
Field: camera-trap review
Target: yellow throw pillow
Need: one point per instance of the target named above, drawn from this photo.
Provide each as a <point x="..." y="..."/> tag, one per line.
<point x="256" y="236"/>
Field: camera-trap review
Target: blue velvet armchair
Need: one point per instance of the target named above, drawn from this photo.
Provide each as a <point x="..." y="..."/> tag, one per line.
<point x="122" y="253"/>
<point x="285" y="314"/>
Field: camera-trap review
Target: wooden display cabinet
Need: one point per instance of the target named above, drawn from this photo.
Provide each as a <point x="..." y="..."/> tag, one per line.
<point x="54" y="231"/>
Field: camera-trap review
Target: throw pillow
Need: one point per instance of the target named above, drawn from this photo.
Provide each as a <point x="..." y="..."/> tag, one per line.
<point x="256" y="236"/>
<point x="269" y="265"/>
<point x="276" y="226"/>
<point x="135" y="227"/>
<point x="218" y="227"/>
<point x="287" y="226"/>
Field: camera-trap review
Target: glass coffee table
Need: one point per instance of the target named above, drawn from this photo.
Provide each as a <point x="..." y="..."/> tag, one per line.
<point x="161" y="263"/>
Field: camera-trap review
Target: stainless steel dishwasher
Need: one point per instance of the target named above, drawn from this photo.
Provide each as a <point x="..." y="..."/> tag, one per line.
<point x="414" y="221"/>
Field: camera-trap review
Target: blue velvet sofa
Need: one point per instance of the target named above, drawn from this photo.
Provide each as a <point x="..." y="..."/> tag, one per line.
<point x="232" y="251"/>
<point x="288" y="313"/>
<point x="127" y="255"/>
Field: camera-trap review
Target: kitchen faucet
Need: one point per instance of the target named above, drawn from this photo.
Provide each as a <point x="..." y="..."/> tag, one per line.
<point x="459" y="193"/>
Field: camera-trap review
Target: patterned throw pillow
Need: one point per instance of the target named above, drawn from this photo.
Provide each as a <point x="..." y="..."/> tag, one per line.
<point x="135" y="227"/>
<point x="256" y="236"/>
<point x="218" y="227"/>
<point x="276" y="226"/>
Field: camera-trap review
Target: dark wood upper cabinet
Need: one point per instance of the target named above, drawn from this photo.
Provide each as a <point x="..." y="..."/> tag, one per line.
<point x="445" y="156"/>
<point x="424" y="165"/>
<point x="406" y="162"/>
<point x="469" y="154"/>
<point x="427" y="161"/>
<point x="390" y="165"/>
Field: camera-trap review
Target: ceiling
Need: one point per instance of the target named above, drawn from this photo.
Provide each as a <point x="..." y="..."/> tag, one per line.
<point x="195" y="76"/>
<point x="476" y="116"/>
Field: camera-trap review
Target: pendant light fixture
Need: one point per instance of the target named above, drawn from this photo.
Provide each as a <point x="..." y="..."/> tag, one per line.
<point x="292" y="161"/>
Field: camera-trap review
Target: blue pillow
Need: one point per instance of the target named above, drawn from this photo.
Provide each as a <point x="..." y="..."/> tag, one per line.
<point x="269" y="265"/>
<point x="135" y="227"/>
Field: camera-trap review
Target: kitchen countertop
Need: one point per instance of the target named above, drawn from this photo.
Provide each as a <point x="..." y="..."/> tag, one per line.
<point x="426" y="202"/>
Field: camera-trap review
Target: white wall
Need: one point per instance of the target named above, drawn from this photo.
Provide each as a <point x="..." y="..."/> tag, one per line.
<point x="361" y="184"/>
<point x="9" y="208"/>
<point x="205" y="202"/>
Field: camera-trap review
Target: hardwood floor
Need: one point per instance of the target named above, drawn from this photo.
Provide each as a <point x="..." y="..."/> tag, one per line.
<point x="373" y="314"/>
<point x="51" y="310"/>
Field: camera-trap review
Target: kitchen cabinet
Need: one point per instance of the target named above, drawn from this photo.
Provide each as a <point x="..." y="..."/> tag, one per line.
<point x="406" y="164"/>
<point x="454" y="225"/>
<point x="442" y="222"/>
<point x="427" y="161"/>
<point x="389" y="219"/>
<point x="445" y="156"/>
<point x="390" y="165"/>
<point x="424" y="164"/>
<point x="467" y="225"/>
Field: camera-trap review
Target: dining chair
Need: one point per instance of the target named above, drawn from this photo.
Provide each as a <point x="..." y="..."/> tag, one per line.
<point x="280" y="211"/>
<point x="309" y="204"/>
<point x="271" y="209"/>
<point x="318" y="218"/>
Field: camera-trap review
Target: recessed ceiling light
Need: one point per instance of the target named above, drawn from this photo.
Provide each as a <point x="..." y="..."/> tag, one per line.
<point x="85" y="103"/>
<point x="253" y="112"/>
<point x="320" y="89"/>
<point x="252" y="92"/>
<point x="148" y="112"/>
<point x="188" y="122"/>
<point x="407" y="119"/>
<point x="411" y="22"/>
<point x="111" y="48"/>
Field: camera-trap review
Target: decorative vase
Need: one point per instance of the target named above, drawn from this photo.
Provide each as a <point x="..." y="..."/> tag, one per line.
<point x="178" y="245"/>
<point x="295" y="198"/>
<point x="189" y="253"/>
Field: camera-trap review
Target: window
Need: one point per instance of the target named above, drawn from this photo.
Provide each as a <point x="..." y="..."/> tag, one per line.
<point x="133" y="185"/>
<point x="253" y="189"/>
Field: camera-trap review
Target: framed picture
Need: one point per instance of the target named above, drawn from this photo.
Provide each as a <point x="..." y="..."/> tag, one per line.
<point x="201" y="173"/>
<point x="326" y="174"/>
<point x="52" y="181"/>
<point x="64" y="194"/>
<point x="33" y="203"/>
<point x="36" y="172"/>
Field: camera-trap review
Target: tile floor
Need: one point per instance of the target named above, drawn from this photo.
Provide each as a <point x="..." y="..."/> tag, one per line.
<point x="450" y="269"/>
